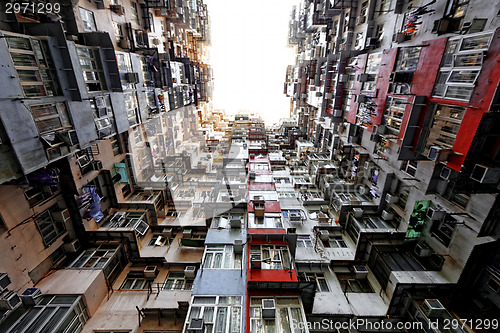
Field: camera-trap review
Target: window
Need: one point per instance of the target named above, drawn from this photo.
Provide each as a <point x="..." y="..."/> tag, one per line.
<point x="115" y="145"/>
<point x="441" y="127"/>
<point x="219" y="313"/>
<point x="444" y="230"/>
<point x="304" y="241"/>
<point x="494" y="285"/>
<point x="34" y="66"/>
<point x="460" y="67"/>
<point x="273" y="256"/>
<point x="407" y="59"/>
<point x="92" y="68"/>
<point x="177" y="281"/>
<point x="335" y="242"/>
<point x="61" y="313"/>
<point x="49" y="228"/>
<point x="350" y="284"/>
<point x="319" y="278"/>
<point x="50" y="117"/>
<point x="221" y="256"/>
<point x="394" y="113"/>
<point x="135" y="16"/>
<point x="289" y="316"/>
<point x="410" y="167"/>
<point x="88" y="20"/>
<point x="117" y="28"/>
<point x="131" y="106"/>
<point x="225" y="220"/>
<point x="135" y="281"/>
<point x="103" y="116"/>
<point x="106" y="257"/>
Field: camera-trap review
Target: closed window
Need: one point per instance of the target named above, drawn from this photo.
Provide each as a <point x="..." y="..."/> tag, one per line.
<point x="135" y="281"/>
<point x="221" y="256"/>
<point x="49" y="228"/>
<point x="34" y="66"/>
<point x="88" y="20"/>
<point x="177" y="281"/>
<point x="91" y="68"/>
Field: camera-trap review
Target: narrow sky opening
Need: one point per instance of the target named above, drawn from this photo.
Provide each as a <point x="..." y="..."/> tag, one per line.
<point x="249" y="55"/>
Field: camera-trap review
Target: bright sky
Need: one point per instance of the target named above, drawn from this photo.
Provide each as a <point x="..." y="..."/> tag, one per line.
<point x="249" y="56"/>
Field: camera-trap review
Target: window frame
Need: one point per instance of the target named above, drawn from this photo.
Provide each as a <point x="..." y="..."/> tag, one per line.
<point x="52" y="226"/>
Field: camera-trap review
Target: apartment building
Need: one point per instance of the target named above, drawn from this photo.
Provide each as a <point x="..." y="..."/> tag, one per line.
<point x="128" y="204"/>
<point x="397" y="100"/>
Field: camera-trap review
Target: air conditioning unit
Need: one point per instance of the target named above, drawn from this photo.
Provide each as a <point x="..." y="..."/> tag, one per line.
<point x="357" y="212"/>
<point x="268" y="308"/>
<point x="360" y="272"/>
<point x="118" y="9"/>
<point x="60" y="215"/>
<point x="387" y="216"/>
<point x="445" y="173"/>
<point x="435" y="213"/>
<point x="362" y="99"/>
<point x="9" y="300"/>
<point x="72" y="247"/>
<point x="167" y="233"/>
<point x="97" y="165"/>
<point x="150" y="272"/>
<point x="324" y="235"/>
<point x="423" y="250"/>
<point x="343" y="78"/>
<point x="390" y="198"/>
<point x="256" y="260"/>
<point x="238" y="246"/>
<point x="433" y="308"/>
<point x="259" y="210"/>
<point x="235" y="222"/>
<point x="196" y="326"/>
<point x="295" y="217"/>
<point x="190" y="272"/>
<point x="485" y="175"/>
<point x="4" y="281"/>
<point x="30" y="295"/>
<point x="363" y="77"/>
<point x="187" y="233"/>
<point x="125" y="43"/>
<point x="368" y="165"/>
<point x="438" y="154"/>
<point x="69" y="137"/>
<point x="337" y="113"/>
<point x="132" y="77"/>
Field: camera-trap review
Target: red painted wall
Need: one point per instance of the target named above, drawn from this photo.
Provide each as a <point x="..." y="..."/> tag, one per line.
<point x="382" y="85"/>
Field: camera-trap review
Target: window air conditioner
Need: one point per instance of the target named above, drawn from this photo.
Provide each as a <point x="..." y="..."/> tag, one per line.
<point x="387" y="216"/>
<point x="150" y="272"/>
<point x="132" y="77"/>
<point x="190" y="272"/>
<point x="30" y="295"/>
<point x="268" y="308"/>
<point x="485" y="175"/>
<point x="357" y="212"/>
<point x="74" y="246"/>
<point x="343" y="78"/>
<point x="433" y="308"/>
<point x="61" y="215"/>
<point x="445" y="173"/>
<point x="337" y="113"/>
<point x="9" y="300"/>
<point x="235" y="222"/>
<point x="363" y="77"/>
<point x="423" y="250"/>
<point x="438" y="154"/>
<point x="238" y="246"/>
<point x="187" y="233"/>
<point x="390" y="198"/>
<point x="4" y="281"/>
<point x="167" y="233"/>
<point x="69" y="137"/>
<point x="118" y="9"/>
<point x="196" y="326"/>
<point x="435" y="213"/>
<point x="256" y="260"/>
<point x="360" y="272"/>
